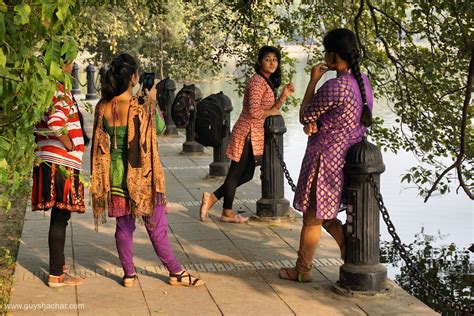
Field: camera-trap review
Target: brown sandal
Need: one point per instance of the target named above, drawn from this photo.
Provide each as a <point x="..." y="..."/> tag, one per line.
<point x="185" y="279"/>
<point x="293" y="275"/>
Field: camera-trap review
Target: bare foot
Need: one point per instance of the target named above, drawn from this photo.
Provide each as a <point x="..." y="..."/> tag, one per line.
<point x="208" y="200"/>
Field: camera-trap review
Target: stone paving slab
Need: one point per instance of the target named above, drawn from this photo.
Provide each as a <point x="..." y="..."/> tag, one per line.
<point x="238" y="262"/>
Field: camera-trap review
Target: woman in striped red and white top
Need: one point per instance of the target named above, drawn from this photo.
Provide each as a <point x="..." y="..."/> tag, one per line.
<point x="60" y="140"/>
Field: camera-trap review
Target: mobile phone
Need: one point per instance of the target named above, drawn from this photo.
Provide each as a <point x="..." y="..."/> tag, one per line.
<point x="147" y="80"/>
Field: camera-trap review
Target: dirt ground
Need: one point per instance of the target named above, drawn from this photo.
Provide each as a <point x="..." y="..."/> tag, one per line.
<point x="11" y="224"/>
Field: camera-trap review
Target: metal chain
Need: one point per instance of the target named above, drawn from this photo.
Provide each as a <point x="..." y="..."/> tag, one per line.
<point x="283" y="164"/>
<point x="78" y="81"/>
<point x="96" y="83"/>
<point x="446" y="301"/>
<point x="82" y="85"/>
<point x="428" y="288"/>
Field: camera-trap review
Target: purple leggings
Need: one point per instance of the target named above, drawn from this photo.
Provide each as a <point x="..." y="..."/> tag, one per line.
<point x="158" y="232"/>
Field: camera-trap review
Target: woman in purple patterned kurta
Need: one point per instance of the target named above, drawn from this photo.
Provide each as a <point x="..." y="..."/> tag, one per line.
<point x="335" y="118"/>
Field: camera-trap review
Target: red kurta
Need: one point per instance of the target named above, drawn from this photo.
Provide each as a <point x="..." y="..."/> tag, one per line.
<point x="258" y="97"/>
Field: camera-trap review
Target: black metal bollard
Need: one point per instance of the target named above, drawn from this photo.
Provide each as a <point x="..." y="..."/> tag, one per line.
<point x="190" y="145"/>
<point x="76" y="88"/>
<point x="273" y="202"/>
<point x="362" y="270"/>
<point x="220" y="165"/>
<point x="91" y="91"/>
<point x="102" y="73"/>
<point x="166" y="98"/>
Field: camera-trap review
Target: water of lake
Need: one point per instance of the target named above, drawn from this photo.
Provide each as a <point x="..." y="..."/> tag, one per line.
<point x="451" y="215"/>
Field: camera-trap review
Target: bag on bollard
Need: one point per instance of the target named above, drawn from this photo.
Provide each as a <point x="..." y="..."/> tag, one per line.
<point x="183" y="104"/>
<point x="210" y="125"/>
<point x="161" y="94"/>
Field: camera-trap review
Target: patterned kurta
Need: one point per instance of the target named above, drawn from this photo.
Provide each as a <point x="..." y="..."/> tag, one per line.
<point x="258" y="97"/>
<point x="337" y="108"/>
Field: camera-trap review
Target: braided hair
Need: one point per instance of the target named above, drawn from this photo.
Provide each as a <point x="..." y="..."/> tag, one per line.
<point x="118" y="76"/>
<point x="343" y="42"/>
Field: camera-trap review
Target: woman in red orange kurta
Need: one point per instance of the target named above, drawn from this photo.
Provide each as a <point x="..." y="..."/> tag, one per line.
<point x="245" y="147"/>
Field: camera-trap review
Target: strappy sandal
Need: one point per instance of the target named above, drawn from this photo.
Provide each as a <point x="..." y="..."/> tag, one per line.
<point x="185" y="279"/>
<point x="293" y="275"/>
<point x="238" y="219"/>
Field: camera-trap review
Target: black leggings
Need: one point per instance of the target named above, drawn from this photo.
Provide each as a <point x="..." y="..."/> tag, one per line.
<point x="239" y="173"/>
<point x="57" y="239"/>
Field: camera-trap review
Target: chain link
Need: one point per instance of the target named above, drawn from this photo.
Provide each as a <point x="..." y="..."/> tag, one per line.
<point x="78" y="81"/>
<point x="428" y="288"/>
<point x="96" y="83"/>
<point x="283" y="164"/>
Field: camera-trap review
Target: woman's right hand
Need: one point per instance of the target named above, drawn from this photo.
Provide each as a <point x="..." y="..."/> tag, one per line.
<point x="318" y="71"/>
<point x="151" y="93"/>
<point x="310" y="128"/>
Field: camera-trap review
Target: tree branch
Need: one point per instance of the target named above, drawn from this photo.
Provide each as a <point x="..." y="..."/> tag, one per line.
<point x="462" y="144"/>
<point x="391" y="18"/>
<point x="451" y="92"/>
<point x="356" y="27"/>
<point x="441" y="176"/>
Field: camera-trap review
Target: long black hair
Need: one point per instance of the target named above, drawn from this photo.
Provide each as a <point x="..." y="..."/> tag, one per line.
<point x="275" y="78"/>
<point x="343" y="42"/>
<point x="118" y="76"/>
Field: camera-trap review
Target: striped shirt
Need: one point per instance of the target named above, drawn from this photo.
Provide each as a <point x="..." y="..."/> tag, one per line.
<point x="63" y="118"/>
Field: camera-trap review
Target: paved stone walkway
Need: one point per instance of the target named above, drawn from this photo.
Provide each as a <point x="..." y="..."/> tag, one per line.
<point x="238" y="262"/>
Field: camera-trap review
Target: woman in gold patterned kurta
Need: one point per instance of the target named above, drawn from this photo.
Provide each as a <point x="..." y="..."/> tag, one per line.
<point x="245" y="147"/>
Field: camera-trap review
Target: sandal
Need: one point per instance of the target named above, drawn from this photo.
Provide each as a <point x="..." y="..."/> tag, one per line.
<point x="128" y="281"/>
<point x="238" y="219"/>
<point x="203" y="212"/>
<point x="293" y="275"/>
<point x="185" y="279"/>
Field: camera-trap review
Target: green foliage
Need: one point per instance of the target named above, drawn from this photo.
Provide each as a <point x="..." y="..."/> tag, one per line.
<point x="446" y="268"/>
<point x="168" y="38"/>
<point x="415" y="53"/>
<point x="28" y="79"/>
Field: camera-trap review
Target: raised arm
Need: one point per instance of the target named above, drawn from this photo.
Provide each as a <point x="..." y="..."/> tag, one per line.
<point x="57" y="119"/>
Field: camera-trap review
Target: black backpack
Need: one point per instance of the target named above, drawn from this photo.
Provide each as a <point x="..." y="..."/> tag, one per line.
<point x="161" y="94"/>
<point x="210" y="125"/>
<point x="183" y="104"/>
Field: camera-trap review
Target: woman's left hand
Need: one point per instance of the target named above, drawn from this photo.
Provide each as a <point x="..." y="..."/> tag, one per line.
<point x="151" y="93"/>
